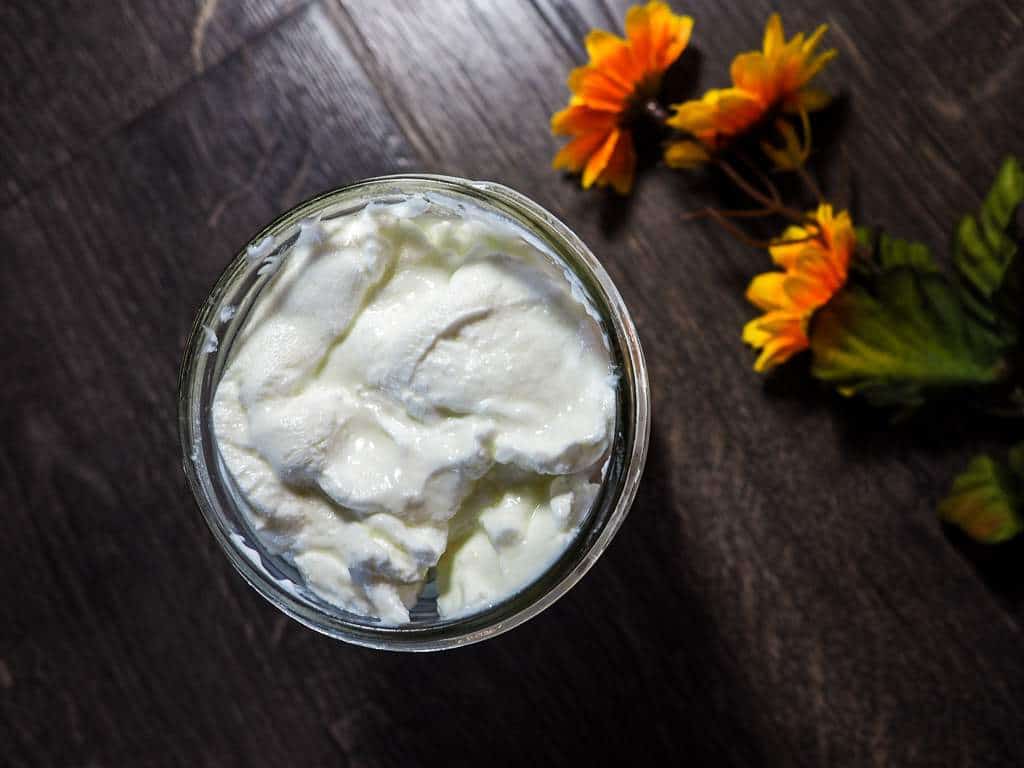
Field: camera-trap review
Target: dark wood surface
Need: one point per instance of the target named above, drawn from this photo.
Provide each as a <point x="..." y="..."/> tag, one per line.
<point x="781" y="593"/>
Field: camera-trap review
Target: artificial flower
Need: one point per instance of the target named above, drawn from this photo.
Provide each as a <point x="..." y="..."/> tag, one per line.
<point x="815" y="259"/>
<point x="776" y="78"/>
<point x="606" y="93"/>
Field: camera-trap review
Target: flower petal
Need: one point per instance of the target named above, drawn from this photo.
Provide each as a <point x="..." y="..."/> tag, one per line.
<point x="786" y="250"/>
<point x="816" y="65"/>
<point x="641" y="33"/>
<point x="574" y="155"/>
<point x="792" y="154"/>
<point x="809" y="100"/>
<point x="768" y="291"/>
<point x="754" y="73"/>
<point x="812" y="41"/>
<point x="778" y="351"/>
<point x="600" y="159"/>
<point x="686" y="154"/>
<point x="761" y="330"/>
<point x="720" y="113"/>
<point x="656" y="35"/>
<point x="696" y="117"/>
<point x="810" y="288"/>
<point x="774" y="36"/>
<point x="602" y="46"/>
<point x="675" y="37"/>
<point x="611" y="54"/>
<point x="621" y="166"/>
<point x="844" y="239"/>
<point x="592" y="86"/>
<point x="780" y="335"/>
<point x="579" y="119"/>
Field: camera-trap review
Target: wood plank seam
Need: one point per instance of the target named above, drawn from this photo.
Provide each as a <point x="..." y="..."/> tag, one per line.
<point x="360" y="48"/>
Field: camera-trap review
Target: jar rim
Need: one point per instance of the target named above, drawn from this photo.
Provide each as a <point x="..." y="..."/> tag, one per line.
<point x="194" y="393"/>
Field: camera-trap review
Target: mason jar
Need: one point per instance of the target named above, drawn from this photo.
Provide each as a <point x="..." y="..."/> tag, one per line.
<point x="209" y="349"/>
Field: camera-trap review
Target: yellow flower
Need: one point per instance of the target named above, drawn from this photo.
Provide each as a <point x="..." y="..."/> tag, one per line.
<point x="620" y="74"/>
<point x="719" y="115"/>
<point x="816" y="258"/>
<point x="774" y="78"/>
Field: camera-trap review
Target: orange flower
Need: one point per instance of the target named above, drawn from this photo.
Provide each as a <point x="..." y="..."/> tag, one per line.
<point x="774" y="78"/>
<point x="816" y="258"/>
<point x="620" y="75"/>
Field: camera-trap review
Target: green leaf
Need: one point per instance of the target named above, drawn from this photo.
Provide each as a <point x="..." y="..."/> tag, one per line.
<point x="1016" y="461"/>
<point x="901" y="337"/>
<point x="984" y="247"/>
<point x="865" y="238"/>
<point x="986" y="498"/>
<point x="888" y="252"/>
<point x="861" y="263"/>
<point x="894" y="252"/>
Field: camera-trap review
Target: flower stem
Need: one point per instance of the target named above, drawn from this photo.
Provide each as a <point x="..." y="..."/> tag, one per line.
<point x="773" y="202"/>
<point x="751" y="213"/>
<point x="766" y="182"/>
<point x="810" y="183"/>
<point x="801" y="169"/>
<point x="723" y="221"/>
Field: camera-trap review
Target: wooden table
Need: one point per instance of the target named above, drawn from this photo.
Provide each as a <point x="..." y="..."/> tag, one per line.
<point x="781" y="593"/>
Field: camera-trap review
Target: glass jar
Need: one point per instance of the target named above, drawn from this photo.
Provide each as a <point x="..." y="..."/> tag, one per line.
<point x="209" y="349"/>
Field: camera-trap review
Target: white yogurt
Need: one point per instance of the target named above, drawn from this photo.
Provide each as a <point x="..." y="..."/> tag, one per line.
<point x="419" y="385"/>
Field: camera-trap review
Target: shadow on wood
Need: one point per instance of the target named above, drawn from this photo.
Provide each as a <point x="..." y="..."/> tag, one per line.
<point x="999" y="566"/>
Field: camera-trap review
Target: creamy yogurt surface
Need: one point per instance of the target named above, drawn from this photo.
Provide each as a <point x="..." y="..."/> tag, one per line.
<point x="420" y="392"/>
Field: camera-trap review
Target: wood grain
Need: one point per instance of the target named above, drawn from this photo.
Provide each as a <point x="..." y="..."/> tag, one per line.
<point x="781" y="593"/>
<point x="71" y="78"/>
